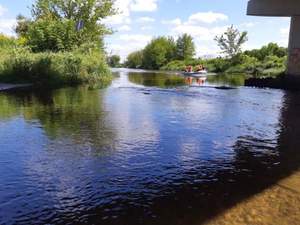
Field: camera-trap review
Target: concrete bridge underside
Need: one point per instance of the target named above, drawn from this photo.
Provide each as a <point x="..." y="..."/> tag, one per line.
<point x="283" y="8"/>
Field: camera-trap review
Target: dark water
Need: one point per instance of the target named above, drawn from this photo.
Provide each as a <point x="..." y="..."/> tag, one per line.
<point x="149" y="149"/>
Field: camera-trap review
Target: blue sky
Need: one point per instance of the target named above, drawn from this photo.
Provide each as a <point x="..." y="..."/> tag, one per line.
<point x="141" y="20"/>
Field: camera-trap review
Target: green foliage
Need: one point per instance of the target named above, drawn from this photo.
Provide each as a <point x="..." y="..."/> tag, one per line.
<point x="55" y="24"/>
<point x="52" y="49"/>
<point x="158" y="52"/>
<point x="161" y="51"/>
<point x="164" y="53"/>
<point x="23" y="25"/>
<point x="185" y="47"/>
<point x="52" y="35"/>
<point x="175" y="65"/>
<point x="231" y="41"/>
<point x="134" y="60"/>
<point x="91" y="11"/>
<point x="6" y="42"/>
<point x="114" y="61"/>
<point x="54" y="69"/>
<point x="268" y="50"/>
<point x="217" y="65"/>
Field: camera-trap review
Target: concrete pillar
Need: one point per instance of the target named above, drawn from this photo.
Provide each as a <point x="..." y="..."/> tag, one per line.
<point x="284" y="8"/>
<point x="294" y="47"/>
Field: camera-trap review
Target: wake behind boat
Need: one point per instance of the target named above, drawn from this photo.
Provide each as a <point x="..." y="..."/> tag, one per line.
<point x="199" y="72"/>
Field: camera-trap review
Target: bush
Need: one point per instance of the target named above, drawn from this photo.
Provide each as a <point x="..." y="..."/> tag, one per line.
<point x="54" y="69"/>
<point x="217" y="65"/>
<point x="176" y="65"/>
<point x="6" y="42"/>
<point x="135" y="60"/>
<point x="52" y="35"/>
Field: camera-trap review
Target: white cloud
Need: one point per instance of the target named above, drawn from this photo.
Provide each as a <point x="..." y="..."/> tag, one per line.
<point x="128" y="43"/>
<point x="123" y="15"/>
<point x="206" y="17"/>
<point x="203" y="35"/>
<point x="124" y="9"/>
<point x="7" y="25"/>
<point x="145" y="20"/>
<point x="199" y="32"/>
<point x="137" y="38"/>
<point x="207" y="51"/>
<point x="2" y="10"/>
<point x="247" y="25"/>
<point x="145" y="28"/>
<point x="175" y="22"/>
<point x="124" y="28"/>
<point x="144" y="5"/>
<point x="285" y="32"/>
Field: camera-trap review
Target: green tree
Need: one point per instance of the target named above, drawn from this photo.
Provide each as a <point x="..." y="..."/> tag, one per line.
<point x="52" y="35"/>
<point x="171" y="49"/>
<point x="185" y="47"/>
<point x="272" y="49"/>
<point x="134" y="60"/>
<point x="158" y="52"/>
<point x="231" y="41"/>
<point x="114" y="61"/>
<point x="65" y="24"/>
<point x="22" y="27"/>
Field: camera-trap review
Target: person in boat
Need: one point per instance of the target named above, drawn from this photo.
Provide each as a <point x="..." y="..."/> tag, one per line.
<point x="199" y="68"/>
<point x="189" y="69"/>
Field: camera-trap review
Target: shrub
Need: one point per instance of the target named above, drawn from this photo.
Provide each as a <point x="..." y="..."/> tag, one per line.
<point x="54" y="69"/>
<point x="176" y="65"/>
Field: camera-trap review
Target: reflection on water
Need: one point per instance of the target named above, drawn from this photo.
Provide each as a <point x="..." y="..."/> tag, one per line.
<point x="140" y="153"/>
<point x="228" y="79"/>
<point x="156" y="79"/>
<point x="170" y="80"/>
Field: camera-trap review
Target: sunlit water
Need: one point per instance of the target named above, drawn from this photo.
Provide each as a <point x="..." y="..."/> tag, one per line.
<point x="149" y="149"/>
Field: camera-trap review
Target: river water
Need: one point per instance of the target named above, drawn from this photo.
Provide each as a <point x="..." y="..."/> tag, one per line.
<point x="150" y="149"/>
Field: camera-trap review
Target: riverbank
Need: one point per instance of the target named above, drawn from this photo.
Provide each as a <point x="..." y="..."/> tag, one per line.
<point x="48" y="69"/>
<point x="286" y="82"/>
<point x="268" y="61"/>
<point x="280" y="203"/>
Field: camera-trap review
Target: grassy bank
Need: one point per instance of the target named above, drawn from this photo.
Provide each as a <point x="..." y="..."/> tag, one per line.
<point x="84" y="65"/>
<point x="270" y="66"/>
<point x="57" y="46"/>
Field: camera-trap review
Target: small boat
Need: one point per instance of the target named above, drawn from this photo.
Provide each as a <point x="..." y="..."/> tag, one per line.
<point x="201" y="73"/>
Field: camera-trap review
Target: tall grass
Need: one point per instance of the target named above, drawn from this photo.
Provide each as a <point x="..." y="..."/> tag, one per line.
<point x="84" y="65"/>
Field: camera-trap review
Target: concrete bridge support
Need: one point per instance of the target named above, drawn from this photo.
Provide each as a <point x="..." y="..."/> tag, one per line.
<point x="283" y="8"/>
<point x="294" y="47"/>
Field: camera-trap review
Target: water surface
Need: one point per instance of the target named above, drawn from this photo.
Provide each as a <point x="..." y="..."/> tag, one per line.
<point x="150" y="149"/>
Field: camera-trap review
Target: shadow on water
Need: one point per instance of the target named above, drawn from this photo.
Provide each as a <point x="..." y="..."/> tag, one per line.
<point x="115" y="157"/>
<point x="258" y="164"/>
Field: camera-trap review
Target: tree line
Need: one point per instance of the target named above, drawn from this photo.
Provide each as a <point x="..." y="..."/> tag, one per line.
<point x="166" y="53"/>
<point x="161" y="51"/>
